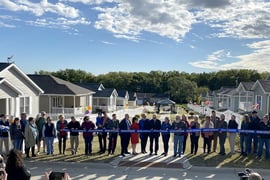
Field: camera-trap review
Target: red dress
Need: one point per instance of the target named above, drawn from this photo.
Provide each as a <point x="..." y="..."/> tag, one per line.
<point x="134" y="136"/>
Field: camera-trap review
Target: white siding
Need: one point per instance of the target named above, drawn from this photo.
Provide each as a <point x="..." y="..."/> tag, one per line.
<point x="23" y="85"/>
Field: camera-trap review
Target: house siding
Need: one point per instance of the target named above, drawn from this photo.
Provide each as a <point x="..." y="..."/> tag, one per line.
<point x="259" y="92"/>
<point x="27" y="89"/>
<point x="45" y="105"/>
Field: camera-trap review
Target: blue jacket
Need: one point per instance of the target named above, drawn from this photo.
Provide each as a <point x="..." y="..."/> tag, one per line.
<point x="166" y="126"/>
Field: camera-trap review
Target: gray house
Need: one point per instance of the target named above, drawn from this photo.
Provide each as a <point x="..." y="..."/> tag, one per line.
<point x="62" y="97"/>
<point x="18" y="93"/>
<point x="261" y="90"/>
<point x="246" y="96"/>
<point x="122" y="99"/>
<point x="104" y="99"/>
<point x="228" y="98"/>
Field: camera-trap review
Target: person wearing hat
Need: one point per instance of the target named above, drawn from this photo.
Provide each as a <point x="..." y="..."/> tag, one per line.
<point x="253" y="137"/>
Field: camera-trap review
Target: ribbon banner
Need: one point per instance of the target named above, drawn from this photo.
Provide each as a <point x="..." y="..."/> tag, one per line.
<point x="202" y="130"/>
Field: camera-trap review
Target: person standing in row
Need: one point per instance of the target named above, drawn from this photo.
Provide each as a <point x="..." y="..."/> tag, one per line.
<point x="88" y="136"/>
<point x="48" y="134"/>
<point x="61" y="127"/>
<point x="234" y="126"/>
<point x="100" y="123"/>
<point x="178" y="124"/>
<point x="23" y="122"/>
<point x="40" y="122"/>
<point x="222" y="124"/>
<point x="184" y="118"/>
<point x="112" y="124"/>
<point x="166" y="126"/>
<point x="215" y="121"/>
<point x="16" y="134"/>
<point x="31" y="136"/>
<point x="74" y="125"/>
<point x="207" y="135"/>
<point x="194" y="136"/>
<point x="155" y="124"/>
<point x="244" y="136"/>
<point x="134" y="137"/>
<point x="264" y="139"/>
<point x="144" y="124"/>
<point x="253" y="137"/>
<point x="124" y="136"/>
<point x="4" y="134"/>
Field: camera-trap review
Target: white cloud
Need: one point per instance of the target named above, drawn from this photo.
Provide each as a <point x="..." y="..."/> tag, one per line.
<point x="41" y="8"/>
<point x="63" y="23"/>
<point x="90" y="1"/>
<point x="240" y="19"/>
<point x="213" y="61"/>
<point x="258" y="59"/>
<point x="131" y="18"/>
<point x="107" y="42"/>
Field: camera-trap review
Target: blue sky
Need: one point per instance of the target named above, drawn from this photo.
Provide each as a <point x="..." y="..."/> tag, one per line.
<point x="101" y="36"/>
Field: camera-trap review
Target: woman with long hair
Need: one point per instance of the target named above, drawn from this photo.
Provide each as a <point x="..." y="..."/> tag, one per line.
<point x="15" y="167"/>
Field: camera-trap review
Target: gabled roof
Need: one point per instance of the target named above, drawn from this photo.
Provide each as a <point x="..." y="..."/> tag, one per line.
<point x="7" y="83"/>
<point x="7" y="66"/>
<point x="264" y="84"/>
<point x="92" y="86"/>
<point x="54" y="85"/>
<point x="105" y="93"/>
<point x="165" y="102"/>
<point x="246" y="85"/>
<point x="122" y="93"/>
<point x="132" y="96"/>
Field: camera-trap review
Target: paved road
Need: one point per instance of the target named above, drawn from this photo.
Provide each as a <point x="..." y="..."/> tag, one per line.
<point x="101" y="171"/>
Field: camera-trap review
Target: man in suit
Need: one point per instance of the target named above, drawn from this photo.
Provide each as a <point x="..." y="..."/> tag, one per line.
<point x="155" y="124"/>
<point x="124" y="136"/>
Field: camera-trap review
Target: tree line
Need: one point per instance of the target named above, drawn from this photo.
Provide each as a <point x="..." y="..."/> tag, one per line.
<point x="179" y="86"/>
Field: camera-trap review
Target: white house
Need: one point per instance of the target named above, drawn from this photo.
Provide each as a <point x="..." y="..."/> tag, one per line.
<point x="18" y="93"/>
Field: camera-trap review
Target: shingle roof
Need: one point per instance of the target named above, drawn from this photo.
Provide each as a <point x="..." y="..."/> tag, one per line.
<point x="104" y="93"/>
<point x="54" y="85"/>
<point x="265" y="85"/>
<point x="121" y="93"/>
<point x="3" y="66"/>
<point x="132" y="96"/>
<point x="247" y="85"/>
<point x="91" y="86"/>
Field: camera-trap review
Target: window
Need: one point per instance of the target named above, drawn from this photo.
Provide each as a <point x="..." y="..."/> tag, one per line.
<point x="25" y="105"/>
<point x="258" y="102"/>
<point x="57" y="101"/>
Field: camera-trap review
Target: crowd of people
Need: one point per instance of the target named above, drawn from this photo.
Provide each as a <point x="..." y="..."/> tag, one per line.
<point x="41" y="132"/>
<point x="35" y="131"/>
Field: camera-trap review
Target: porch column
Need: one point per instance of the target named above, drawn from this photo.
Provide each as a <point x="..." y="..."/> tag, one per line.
<point x="63" y="105"/>
<point x="74" y="104"/>
<point x="50" y="105"/>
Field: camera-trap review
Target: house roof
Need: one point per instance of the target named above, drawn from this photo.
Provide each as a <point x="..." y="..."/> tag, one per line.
<point x="12" y="87"/>
<point x="165" y="102"/>
<point x="227" y="91"/>
<point x="247" y="85"/>
<point x="105" y="93"/>
<point x="132" y="96"/>
<point x="91" y="86"/>
<point x="3" y="66"/>
<point x="54" y="85"/>
<point x="265" y="85"/>
<point x="122" y="93"/>
<point x="7" y="66"/>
